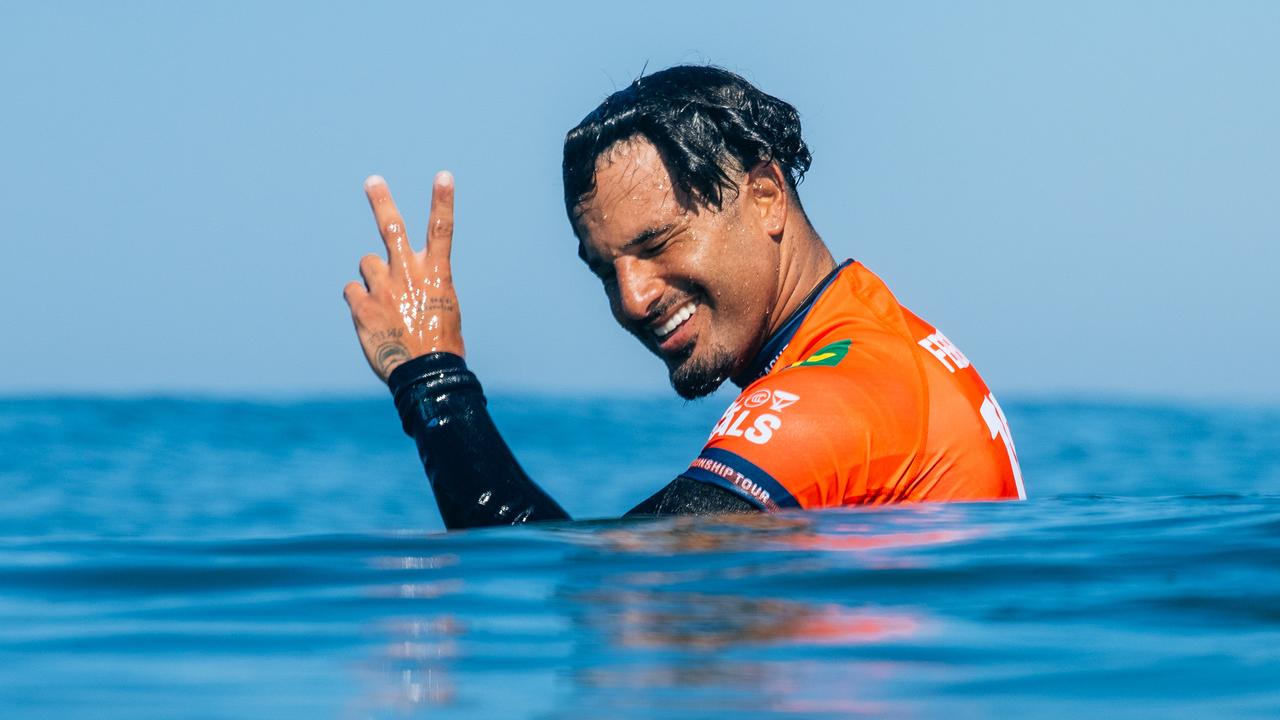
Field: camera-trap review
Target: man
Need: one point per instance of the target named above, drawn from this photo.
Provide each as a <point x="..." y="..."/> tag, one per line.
<point x="681" y="190"/>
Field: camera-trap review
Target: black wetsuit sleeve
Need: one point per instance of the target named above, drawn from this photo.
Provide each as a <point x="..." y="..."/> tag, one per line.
<point x="690" y="497"/>
<point x="475" y="478"/>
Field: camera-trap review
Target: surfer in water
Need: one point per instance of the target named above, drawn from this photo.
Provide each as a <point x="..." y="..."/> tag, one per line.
<point x="681" y="191"/>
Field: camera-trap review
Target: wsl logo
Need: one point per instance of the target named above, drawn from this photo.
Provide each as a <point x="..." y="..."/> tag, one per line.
<point x="756" y="417"/>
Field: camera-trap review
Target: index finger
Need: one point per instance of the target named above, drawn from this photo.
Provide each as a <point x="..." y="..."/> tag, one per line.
<point x="440" y="223"/>
<point x="390" y="223"/>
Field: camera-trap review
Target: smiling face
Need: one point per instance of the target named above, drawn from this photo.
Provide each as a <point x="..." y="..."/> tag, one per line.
<point x="696" y="285"/>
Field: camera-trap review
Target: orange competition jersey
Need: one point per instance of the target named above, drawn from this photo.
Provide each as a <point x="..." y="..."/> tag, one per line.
<point x="858" y="401"/>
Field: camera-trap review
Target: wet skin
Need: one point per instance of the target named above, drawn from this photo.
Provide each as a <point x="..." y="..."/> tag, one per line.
<point x="742" y="268"/>
<point x="407" y="305"/>
<point x="656" y="251"/>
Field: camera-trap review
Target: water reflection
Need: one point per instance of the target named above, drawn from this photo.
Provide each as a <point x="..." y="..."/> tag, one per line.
<point x="411" y="666"/>
<point x="715" y="626"/>
<point x="784" y="531"/>
<point x="724" y="613"/>
<point x="416" y="670"/>
<point x="699" y="621"/>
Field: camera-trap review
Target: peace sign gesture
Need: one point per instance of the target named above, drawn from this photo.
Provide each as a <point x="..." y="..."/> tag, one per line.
<point x="407" y="306"/>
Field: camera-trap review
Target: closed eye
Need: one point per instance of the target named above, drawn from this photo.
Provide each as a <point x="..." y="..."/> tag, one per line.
<point x="655" y="248"/>
<point x="650" y="242"/>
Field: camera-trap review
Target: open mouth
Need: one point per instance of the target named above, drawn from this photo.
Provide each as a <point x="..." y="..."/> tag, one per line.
<point x="675" y="322"/>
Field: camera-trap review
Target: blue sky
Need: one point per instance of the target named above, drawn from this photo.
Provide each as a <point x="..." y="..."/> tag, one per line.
<point x="1084" y="196"/>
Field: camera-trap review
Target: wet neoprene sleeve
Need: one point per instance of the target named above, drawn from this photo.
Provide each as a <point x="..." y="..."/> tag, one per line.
<point x="475" y="478"/>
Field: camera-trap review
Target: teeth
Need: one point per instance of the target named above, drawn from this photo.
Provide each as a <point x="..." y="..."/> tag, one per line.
<point x="676" y="321"/>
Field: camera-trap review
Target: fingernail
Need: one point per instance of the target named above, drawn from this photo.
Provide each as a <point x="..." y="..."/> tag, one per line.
<point x="444" y="178"/>
<point x="373" y="181"/>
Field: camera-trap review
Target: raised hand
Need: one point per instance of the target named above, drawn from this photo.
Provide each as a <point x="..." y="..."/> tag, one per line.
<point x="407" y="306"/>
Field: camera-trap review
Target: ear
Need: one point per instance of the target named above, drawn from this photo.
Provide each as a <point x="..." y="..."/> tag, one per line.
<point x="767" y="197"/>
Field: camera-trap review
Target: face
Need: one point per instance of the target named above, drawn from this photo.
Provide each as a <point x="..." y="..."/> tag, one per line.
<point x="695" y="285"/>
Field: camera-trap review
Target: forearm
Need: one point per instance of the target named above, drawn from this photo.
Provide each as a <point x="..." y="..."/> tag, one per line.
<point x="475" y="478"/>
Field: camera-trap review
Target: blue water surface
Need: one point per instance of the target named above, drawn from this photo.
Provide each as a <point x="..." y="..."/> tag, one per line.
<point x="180" y="557"/>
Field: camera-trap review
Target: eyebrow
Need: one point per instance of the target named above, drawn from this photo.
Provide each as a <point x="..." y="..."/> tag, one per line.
<point x="646" y="235"/>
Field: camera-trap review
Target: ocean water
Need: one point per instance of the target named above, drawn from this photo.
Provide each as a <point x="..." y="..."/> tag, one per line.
<point x="199" y="558"/>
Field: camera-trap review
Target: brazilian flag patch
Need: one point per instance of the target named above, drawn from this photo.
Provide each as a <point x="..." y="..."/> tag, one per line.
<point x="827" y="355"/>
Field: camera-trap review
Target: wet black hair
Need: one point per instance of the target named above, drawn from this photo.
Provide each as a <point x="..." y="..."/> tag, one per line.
<point x="707" y="123"/>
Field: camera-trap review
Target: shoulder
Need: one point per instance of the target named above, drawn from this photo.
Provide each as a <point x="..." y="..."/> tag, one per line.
<point x="797" y="399"/>
<point x="798" y="434"/>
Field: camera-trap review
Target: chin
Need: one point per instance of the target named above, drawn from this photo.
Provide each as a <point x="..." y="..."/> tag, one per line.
<point x="695" y="377"/>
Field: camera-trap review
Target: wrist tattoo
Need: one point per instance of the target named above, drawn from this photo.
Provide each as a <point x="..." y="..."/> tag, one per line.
<point x="388" y="356"/>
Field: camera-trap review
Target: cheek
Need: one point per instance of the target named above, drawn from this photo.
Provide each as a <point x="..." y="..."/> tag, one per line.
<point x="740" y="301"/>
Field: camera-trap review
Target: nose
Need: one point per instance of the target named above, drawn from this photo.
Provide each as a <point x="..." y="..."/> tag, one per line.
<point x="639" y="289"/>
